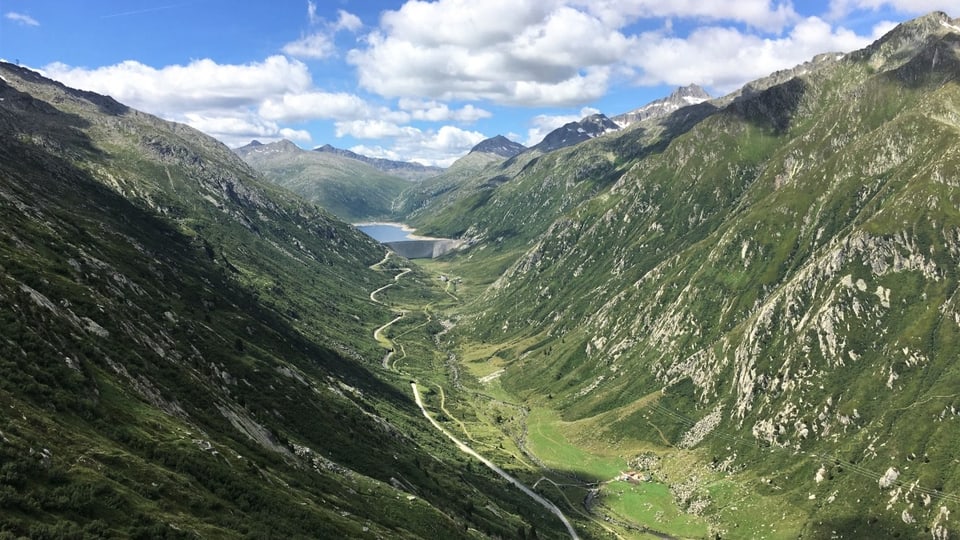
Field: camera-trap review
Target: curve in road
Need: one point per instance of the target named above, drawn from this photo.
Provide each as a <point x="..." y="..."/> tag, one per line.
<point x="493" y="467"/>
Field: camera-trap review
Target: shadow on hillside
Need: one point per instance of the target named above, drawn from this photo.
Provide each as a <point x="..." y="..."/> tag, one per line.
<point x="635" y="144"/>
<point x="773" y="108"/>
<point x="105" y="104"/>
<point x="43" y="153"/>
<point x="935" y="64"/>
<point x="23" y="117"/>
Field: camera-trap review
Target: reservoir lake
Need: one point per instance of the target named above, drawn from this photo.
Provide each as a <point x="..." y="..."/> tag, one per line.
<point x="386" y="232"/>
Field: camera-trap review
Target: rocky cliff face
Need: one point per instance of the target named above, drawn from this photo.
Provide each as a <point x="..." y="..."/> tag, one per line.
<point x="783" y="276"/>
<point x="576" y="132"/>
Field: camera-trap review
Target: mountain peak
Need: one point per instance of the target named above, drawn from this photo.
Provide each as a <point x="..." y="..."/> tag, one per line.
<point x="900" y="44"/>
<point x="681" y="97"/>
<point x="500" y="146"/>
<point x="281" y="146"/>
<point x="577" y="132"/>
<point x="692" y="93"/>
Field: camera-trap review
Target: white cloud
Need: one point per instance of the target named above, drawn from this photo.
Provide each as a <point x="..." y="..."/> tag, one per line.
<point x="440" y="147"/>
<point x="726" y="58"/>
<point x="433" y="111"/>
<point x="221" y="100"/>
<point x="295" y="134"/>
<point x="239" y="128"/>
<point x="317" y="45"/>
<point x="320" y="44"/>
<point x="538" y="53"/>
<point x="21" y="18"/>
<point x="543" y="124"/>
<point x="373" y="129"/>
<point x="762" y="14"/>
<point x="315" y="105"/>
<point x="464" y="23"/>
<point x="347" y="21"/>
<point x="201" y="84"/>
<point x="841" y="8"/>
<point x="541" y="53"/>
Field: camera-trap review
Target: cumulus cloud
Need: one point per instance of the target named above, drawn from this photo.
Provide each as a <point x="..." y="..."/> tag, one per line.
<point x="314" y="105"/>
<point x="568" y="52"/>
<point x="347" y="21"/>
<point x="320" y="43"/>
<point x="21" y="19"/>
<point x="841" y="8"/>
<point x="543" y="53"/>
<point x="434" y="111"/>
<point x="199" y="84"/>
<point x="372" y="129"/>
<point x="762" y="14"/>
<point x="219" y="99"/>
<point x="431" y="147"/>
<point x="238" y="128"/>
<point x="725" y="58"/>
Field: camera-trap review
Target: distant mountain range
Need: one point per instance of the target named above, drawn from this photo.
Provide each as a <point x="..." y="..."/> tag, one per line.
<point x="404" y="169"/>
<point x="350" y="186"/>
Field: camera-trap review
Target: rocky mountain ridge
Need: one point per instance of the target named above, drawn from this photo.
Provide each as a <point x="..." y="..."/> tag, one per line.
<point x="772" y="289"/>
<point x="573" y="133"/>
<point x="500" y="146"/>
<point x="683" y="96"/>
<point x="405" y="169"/>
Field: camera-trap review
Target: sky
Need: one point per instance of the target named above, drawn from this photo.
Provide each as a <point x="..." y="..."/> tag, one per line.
<point x="421" y="80"/>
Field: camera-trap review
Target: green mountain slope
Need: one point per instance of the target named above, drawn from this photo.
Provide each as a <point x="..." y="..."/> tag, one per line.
<point x="511" y="202"/>
<point x="769" y="294"/>
<point x="349" y="188"/>
<point x="187" y="352"/>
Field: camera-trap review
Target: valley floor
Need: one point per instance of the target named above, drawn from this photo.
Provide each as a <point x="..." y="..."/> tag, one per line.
<point x="593" y="491"/>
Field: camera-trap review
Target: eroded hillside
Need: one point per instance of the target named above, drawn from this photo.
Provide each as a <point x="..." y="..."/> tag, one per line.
<point x="777" y="282"/>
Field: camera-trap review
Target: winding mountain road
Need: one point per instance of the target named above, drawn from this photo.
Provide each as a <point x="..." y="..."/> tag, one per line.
<point x="493" y="467"/>
<point x="378" y="336"/>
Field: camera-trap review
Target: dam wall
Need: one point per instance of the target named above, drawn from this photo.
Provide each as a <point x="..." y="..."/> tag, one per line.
<point x="423" y="249"/>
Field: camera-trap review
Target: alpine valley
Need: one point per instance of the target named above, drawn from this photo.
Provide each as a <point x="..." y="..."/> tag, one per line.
<point x="732" y="317"/>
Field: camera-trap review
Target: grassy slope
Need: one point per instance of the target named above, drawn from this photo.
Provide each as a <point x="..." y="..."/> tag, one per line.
<point x="187" y="352"/>
<point x="744" y="269"/>
<point x="350" y="189"/>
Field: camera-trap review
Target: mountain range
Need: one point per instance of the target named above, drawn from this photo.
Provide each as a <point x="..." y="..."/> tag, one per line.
<point x="404" y="169"/>
<point x="730" y="317"/>
<point x="351" y="187"/>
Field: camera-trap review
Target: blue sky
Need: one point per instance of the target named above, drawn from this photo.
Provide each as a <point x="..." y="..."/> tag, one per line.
<point x="419" y="80"/>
